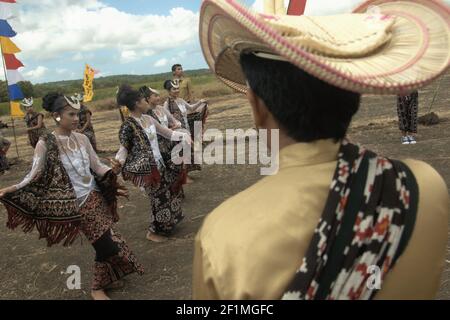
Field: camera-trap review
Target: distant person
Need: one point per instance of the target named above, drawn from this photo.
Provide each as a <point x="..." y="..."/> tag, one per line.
<point x="34" y="121"/>
<point x="407" y="109"/>
<point x="4" y="147"/>
<point x="85" y="122"/>
<point x="185" y="84"/>
<point x="187" y="94"/>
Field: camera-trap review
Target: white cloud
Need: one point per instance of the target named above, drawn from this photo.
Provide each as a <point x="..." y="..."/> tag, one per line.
<point x="161" y="63"/>
<point x="77" y="57"/>
<point x="61" y="71"/>
<point x="36" y="74"/>
<point x="128" y="56"/>
<point x="49" y="28"/>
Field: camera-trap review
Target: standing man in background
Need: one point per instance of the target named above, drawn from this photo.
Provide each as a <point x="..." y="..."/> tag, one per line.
<point x="186" y="90"/>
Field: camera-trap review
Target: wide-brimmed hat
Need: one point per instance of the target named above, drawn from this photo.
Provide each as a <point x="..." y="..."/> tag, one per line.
<point x="383" y="47"/>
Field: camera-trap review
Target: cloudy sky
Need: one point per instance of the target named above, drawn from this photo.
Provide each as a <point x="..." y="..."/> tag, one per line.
<point x="58" y="37"/>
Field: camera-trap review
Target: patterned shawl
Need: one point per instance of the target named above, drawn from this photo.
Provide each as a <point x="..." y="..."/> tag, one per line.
<point x="32" y="119"/>
<point x="366" y="224"/>
<point x="175" y="174"/>
<point x="140" y="167"/>
<point x="49" y="202"/>
<point x="176" y="112"/>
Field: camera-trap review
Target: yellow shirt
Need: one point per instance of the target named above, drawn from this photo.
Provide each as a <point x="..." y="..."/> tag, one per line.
<point x="252" y="244"/>
<point x="186" y="90"/>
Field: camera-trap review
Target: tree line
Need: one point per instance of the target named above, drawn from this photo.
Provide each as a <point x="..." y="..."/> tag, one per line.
<point x="72" y="86"/>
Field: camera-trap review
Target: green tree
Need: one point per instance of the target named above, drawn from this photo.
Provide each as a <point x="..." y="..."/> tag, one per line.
<point x="27" y="88"/>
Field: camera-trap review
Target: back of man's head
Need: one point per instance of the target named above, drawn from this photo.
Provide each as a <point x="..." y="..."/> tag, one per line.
<point x="307" y="108"/>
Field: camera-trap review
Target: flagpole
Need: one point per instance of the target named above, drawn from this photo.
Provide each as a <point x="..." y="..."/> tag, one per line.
<point x="9" y="98"/>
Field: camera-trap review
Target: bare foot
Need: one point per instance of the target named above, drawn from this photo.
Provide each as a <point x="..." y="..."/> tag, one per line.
<point x="156" y="238"/>
<point x="99" y="295"/>
<point x="189" y="180"/>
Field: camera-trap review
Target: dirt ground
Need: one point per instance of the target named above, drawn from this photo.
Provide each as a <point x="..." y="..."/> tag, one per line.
<point x="30" y="270"/>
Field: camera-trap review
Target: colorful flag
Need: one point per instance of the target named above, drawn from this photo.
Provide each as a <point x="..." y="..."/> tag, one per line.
<point x="296" y="7"/>
<point x="88" y="84"/>
<point x="13" y="77"/>
<point x="8" y="46"/>
<point x="11" y="62"/>
<point x="15" y="93"/>
<point x="5" y="11"/>
<point x="8" y="1"/>
<point x="16" y="111"/>
<point x="6" y="30"/>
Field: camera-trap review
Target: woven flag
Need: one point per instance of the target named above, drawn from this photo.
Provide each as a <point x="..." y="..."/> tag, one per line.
<point x="6" y="30"/>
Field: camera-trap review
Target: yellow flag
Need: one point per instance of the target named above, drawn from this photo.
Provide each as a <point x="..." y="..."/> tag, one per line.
<point x="88" y="84"/>
<point x="8" y="46"/>
<point x="16" y="112"/>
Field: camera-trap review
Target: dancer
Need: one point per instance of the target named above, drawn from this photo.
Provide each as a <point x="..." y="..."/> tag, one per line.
<point x="35" y="122"/>
<point x="144" y="165"/>
<point x="4" y="147"/>
<point x="69" y="191"/>
<point x="181" y="110"/>
<point x="167" y="120"/>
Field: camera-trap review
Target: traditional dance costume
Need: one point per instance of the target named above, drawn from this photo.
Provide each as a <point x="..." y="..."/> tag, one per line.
<point x="69" y="190"/>
<point x="184" y="113"/>
<point x="4" y="145"/>
<point x="146" y="167"/>
<point x="32" y="120"/>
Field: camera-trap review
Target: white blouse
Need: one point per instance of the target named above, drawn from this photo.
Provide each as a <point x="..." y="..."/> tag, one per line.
<point x="165" y="118"/>
<point x="78" y="159"/>
<point x="185" y="109"/>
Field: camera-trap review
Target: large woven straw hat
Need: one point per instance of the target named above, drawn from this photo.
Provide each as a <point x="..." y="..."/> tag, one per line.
<point x="383" y="47"/>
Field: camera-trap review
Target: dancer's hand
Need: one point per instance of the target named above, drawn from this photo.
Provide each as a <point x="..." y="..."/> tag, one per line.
<point x="115" y="166"/>
<point x="5" y="191"/>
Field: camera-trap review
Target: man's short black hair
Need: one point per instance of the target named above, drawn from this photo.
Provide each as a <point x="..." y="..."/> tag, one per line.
<point x="307" y="108"/>
<point x="175" y="66"/>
